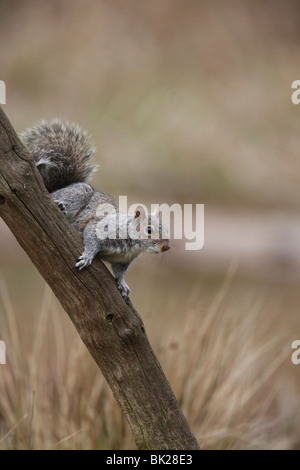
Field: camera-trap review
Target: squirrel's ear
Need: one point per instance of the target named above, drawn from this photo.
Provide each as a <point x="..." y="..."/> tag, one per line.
<point x="139" y="212"/>
<point x="155" y="213"/>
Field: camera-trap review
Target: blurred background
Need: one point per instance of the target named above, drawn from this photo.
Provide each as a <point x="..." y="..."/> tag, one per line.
<point x="187" y="102"/>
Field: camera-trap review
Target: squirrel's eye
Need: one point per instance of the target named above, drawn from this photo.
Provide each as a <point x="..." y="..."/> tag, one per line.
<point x="149" y="230"/>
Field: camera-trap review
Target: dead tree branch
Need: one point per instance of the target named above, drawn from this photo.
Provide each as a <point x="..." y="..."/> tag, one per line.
<point x="111" y="329"/>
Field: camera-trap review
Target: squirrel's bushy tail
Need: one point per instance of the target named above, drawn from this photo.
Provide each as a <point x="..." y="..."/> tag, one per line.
<point x="62" y="153"/>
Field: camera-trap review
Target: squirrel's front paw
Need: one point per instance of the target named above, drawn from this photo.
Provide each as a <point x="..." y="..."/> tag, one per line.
<point x="124" y="289"/>
<point x="83" y="262"/>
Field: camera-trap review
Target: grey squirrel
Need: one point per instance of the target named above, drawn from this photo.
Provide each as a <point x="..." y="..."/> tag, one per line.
<point x="62" y="154"/>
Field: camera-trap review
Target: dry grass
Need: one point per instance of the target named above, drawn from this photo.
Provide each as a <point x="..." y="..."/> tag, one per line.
<point x="225" y="368"/>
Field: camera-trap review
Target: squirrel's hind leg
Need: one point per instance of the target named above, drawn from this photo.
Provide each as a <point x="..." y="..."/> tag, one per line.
<point x="72" y="199"/>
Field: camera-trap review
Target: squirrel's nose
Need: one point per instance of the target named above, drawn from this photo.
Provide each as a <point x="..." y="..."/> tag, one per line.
<point x="165" y="246"/>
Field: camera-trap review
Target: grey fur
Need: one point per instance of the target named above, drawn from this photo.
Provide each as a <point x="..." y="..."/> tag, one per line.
<point x="62" y="155"/>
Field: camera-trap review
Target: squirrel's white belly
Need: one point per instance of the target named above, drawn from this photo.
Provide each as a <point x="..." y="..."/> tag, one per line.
<point x="121" y="256"/>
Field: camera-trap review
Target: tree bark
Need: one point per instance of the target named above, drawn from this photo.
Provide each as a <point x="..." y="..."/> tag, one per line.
<point x="111" y="328"/>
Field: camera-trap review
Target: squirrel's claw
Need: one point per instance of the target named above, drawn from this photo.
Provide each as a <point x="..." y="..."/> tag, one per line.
<point x="124" y="289"/>
<point x="61" y="206"/>
<point x="83" y="262"/>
